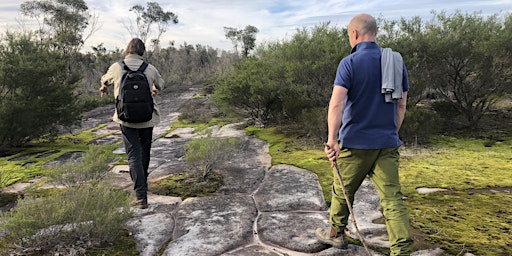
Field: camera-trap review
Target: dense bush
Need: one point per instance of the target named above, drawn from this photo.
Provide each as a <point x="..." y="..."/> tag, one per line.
<point x="445" y="109"/>
<point x="285" y="79"/>
<point x="419" y="125"/>
<point x="37" y="96"/>
<point x="309" y="132"/>
<point x="253" y="91"/>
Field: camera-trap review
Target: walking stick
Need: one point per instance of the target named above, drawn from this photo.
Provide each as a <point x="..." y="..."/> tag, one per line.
<point x="349" y="206"/>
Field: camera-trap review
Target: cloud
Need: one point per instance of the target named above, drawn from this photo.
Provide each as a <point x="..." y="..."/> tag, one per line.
<point x="203" y="21"/>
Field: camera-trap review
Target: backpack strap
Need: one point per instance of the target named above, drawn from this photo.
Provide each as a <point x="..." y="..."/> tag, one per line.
<point x="143" y="67"/>
<point x="123" y="65"/>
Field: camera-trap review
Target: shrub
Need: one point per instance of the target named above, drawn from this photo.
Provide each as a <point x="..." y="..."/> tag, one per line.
<point x="419" y="125"/>
<point x="92" y="167"/>
<point x="445" y="109"/>
<point x="313" y="123"/>
<point x="80" y="218"/>
<point x="254" y="91"/>
<point x="68" y="221"/>
<point x="208" y="153"/>
<point x="197" y="111"/>
<point x="91" y="102"/>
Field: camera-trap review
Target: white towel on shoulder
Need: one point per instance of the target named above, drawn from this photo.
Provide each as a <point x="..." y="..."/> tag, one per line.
<point x="392" y="75"/>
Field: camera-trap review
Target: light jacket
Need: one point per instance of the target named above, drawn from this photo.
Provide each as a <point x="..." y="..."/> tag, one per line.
<point x="114" y="76"/>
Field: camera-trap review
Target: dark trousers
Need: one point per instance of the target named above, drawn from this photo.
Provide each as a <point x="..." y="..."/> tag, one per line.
<point x="137" y="143"/>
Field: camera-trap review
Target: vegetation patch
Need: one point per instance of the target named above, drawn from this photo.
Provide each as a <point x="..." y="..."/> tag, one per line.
<point x="186" y="184"/>
<point x="37" y="157"/>
<point x="460" y="219"/>
<point x="460" y="222"/>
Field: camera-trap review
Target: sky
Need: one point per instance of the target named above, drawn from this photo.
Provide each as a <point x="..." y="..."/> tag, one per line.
<point x="203" y="21"/>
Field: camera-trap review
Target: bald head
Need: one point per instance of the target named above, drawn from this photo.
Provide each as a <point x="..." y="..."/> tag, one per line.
<point x="364" y="23"/>
<point x="361" y="28"/>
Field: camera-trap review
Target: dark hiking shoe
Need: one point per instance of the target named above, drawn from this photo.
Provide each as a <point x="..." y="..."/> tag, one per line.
<point x="331" y="237"/>
<point x="140" y="203"/>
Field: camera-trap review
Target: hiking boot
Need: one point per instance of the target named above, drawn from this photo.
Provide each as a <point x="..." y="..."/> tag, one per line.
<point x="333" y="238"/>
<point x="140" y="203"/>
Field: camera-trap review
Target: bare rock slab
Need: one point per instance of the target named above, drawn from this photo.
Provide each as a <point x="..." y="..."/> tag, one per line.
<point x="289" y="188"/>
<point x="293" y="230"/>
<point x="151" y="228"/>
<point x="352" y="250"/>
<point x="151" y="232"/>
<point x="119" y="176"/>
<point x="167" y="157"/>
<point x="254" y="155"/>
<point x="212" y="225"/>
<point x="253" y="250"/>
<point x="241" y="180"/>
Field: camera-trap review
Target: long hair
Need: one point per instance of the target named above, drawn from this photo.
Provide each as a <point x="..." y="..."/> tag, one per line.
<point x="135" y="46"/>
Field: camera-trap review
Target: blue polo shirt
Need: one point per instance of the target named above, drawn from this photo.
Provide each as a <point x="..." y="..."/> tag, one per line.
<point x="369" y="122"/>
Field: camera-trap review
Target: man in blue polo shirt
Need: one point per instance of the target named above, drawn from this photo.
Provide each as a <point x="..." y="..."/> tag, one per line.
<point x="368" y="135"/>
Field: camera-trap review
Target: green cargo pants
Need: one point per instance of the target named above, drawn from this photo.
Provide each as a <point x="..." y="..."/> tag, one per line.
<point x="381" y="166"/>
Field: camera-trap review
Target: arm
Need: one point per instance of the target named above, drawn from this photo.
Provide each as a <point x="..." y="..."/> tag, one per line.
<point x="402" y="105"/>
<point x="334" y="119"/>
<point x="106" y="80"/>
<point x="158" y="83"/>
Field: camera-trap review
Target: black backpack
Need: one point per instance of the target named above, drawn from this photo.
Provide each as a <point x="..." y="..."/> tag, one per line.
<point x="134" y="103"/>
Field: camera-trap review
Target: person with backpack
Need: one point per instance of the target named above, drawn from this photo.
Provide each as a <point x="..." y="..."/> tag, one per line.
<point x="135" y="83"/>
<point x="366" y="110"/>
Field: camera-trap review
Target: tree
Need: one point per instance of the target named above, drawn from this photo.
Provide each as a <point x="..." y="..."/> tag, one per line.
<point x="246" y="37"/>
<point x="502" y="47"/>
<point x="153" y="14"/>
<point x="407" y="37"/>
<point x="63" y="22"/>
<point x="462" y="64"/>
<point x="37" y="97"/>
<point x="91" y="66"/>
